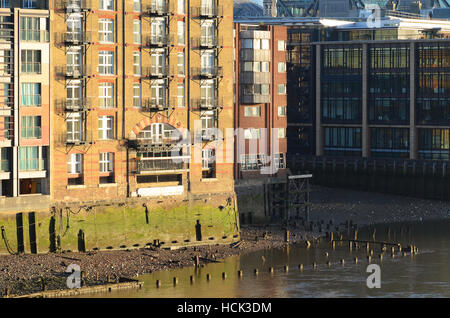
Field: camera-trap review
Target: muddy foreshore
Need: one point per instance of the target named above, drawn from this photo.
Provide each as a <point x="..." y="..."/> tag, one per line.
<point x="25" y="274"/>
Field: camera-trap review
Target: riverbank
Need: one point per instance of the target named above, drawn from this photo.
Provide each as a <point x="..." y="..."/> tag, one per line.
<point x="367" y="208"/>
<point x="25" y="274"/>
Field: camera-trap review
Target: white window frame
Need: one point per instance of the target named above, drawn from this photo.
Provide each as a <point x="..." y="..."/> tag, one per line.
<point x="181" y="39"/>
<point x="106" y="5"/>
<point x="138" y="97"/>
<point x="180" y="95"/>
<point x="252" y="133"/>
<point x="106" y="30"/>
<point x="137" y="69"/>
<point x="137" y="39"/>
<point x="106" y="127"/>
<point x="106" y="162"/>
<point x="281" y="67"/>
<point x="76" y="119"/>
<point x="106" y="94"/>
<point x="75" y="163"/>
<point x="106" y="62"/>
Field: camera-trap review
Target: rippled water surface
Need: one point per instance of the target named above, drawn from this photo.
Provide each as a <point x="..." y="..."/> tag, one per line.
<point x="426" y="274"/>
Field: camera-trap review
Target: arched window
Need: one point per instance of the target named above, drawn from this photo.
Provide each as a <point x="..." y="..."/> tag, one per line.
<point x="160" y="133"/>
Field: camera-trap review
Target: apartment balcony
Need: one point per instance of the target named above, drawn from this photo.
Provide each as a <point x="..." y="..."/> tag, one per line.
<point x="208" y="72"/>
<point x="207" y="12"/>
<point x="158" y="9"/>
<point x="155" y="105"/>
<point x="157" y="41"/>
<point x="206" y="103"/>
<point x="73" y="72"/>
<point x="74" y="38"/>
<point x="156" y="72"/>
<point x="161" y="165"/>
<point x="34" y="35"/>
<point x="208" y="42"/>
<point x="74" y="138"/>
<point x="73" y="105"/>
<point x="73" y="6"/>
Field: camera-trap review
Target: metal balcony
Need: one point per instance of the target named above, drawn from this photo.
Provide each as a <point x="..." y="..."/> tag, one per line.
<point x="149" y="165"/>
<point x="156" y="72"/>
<point x="73" y="72"/>
<point x="157" y="10"/>
<point x="208" y="42"/>
<point x="155" y="105"/>
<point x="74" y="38"/>
<point x="73" y="6"/>
<point x="73" y="105"/>
<point x="208" y="72"/>
<point x="207" y="12"/>
<point x="206" y="103"/>
<point x="74" y="139"/>
<point x="157" y="41"/>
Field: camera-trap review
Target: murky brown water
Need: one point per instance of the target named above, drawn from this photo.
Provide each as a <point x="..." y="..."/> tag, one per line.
<point x="426" y="274"/>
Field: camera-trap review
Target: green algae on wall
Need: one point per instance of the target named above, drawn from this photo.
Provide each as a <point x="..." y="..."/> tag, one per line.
<point x="115" y="226"/>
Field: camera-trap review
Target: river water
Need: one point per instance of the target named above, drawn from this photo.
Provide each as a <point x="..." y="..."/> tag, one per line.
<point x="426" y="274"/>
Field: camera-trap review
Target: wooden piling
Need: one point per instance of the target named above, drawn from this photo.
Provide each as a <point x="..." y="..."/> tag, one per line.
<point x="158" y="283"/>
<point x="300" y="267"/>
<point x="224" y="275"/>
<point x="175" y="281"/>
<point x="286" y="268"/>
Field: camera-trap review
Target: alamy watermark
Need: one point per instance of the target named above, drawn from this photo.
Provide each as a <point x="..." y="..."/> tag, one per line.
<point x="374" y="279"/>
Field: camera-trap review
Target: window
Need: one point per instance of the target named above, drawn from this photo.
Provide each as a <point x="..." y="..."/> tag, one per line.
<point x="180" y="29"/>
<point x="207" y="37"/>
<point x="75" y="163"/>
<point x="5" y="159"/>
<point x="74" y="93"/>
<point x="105" y="127"/>
<point x="248" y="43"/>
<point x="157" y="30"/>
<point x="264" y="66"/>
<point x="252" y="111"/>
<point x="31" y="127"/>
<point x="29" y="4"/>
<point x="73" y="59"/>
<point x="137" y="102"/>
<point x="281" y="45"/>
<point x="29" y="159"/>
<point x="180" y="95"/>
<point x="252" y="162"/>
<point x="280" y="161"/>
<point x="281" y="89"/>
<point x="30" y="29"/>
<point x="106" y="95"/>
<point x="31" y="94"/>
<point x="6" y="95"/>
<point x="207" y="93"/>
<point x="281" y="111"/>
<point x="106" y="63"/>
<point x="180" y="7"/>
<point x="265" y="44"/>
<point x="208" y="122"/>
<point x="106" y="30"/>
<point x="31" y="61"/>
<point x="5" y="3"/>
<point x="137" y="63"/>
<point x="251" y="133"/>
<point x="208" y="163"/>
<point x="106" y="162"/>
<point x="106" y="5"/>
<point x="180" y="63"/>
<point x="281" y="132"/>
<point x="6" y="62"/>
<point x="137" y="5"/>
<point x="207" y="62"/>
<point x="137" y="31"/>
<point x="158" y="94"/>
<point x="281" y="67"/>
<point x="74" y="124"/>
<point x="158" y="63"/>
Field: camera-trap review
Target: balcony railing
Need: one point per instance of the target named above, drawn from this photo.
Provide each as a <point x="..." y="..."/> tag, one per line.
<point x="208" y="72"/>
<point x="73" y="105"/>
<point x="33" y="68"/>
<point x="161" y="164"/>
<point x="32" y="165"/>
<point x="34" y="35"/>
<point x="206" y="103"/>
<point x="156" y="71"/>
<point x="73" y="71"/>
<point x="207" y="12"/>
<point x="155" y="104"/>
<point x="74" y="38"/>
<point x="75" y="138"/>
<point x="206" y="42"/>
<point x="73" y="5"/>
<point x="158" y="9"/>
<point x="158" y="40"/>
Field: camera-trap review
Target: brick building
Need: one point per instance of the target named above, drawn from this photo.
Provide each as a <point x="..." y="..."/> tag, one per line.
<point x="260" y="99"/>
